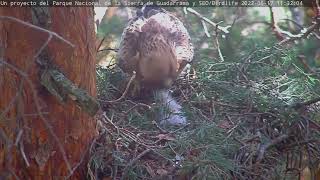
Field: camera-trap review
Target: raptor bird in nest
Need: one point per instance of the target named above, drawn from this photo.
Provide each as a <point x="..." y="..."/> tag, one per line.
<point x="157" y="47"/>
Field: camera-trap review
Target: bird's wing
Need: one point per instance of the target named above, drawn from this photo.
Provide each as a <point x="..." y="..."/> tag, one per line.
<point x="159" y="22"/>
<point x="168" y="24"/>
<point x="128" y="54"/>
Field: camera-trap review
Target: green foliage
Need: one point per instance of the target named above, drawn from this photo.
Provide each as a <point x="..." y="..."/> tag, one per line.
<point x="111" y="27"/>
<point x="213" y="151"/>
<point x="103" y="80"/>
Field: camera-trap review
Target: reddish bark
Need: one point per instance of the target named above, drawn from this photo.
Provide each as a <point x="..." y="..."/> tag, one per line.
<point x="73" y="127"/>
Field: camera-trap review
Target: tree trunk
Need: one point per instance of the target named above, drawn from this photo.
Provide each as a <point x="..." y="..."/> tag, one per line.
<point x="41" y="136"/>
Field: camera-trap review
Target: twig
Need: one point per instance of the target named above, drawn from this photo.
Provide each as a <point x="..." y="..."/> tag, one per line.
<point x="173" y="132"/>
<point x="274" y="25"/>
<point x="4" y="138"/>
<point x="7" y="151"/>
<point x="217" y="103"/>
<point x="14" y="173"/>
<point x="157" y="126"/>
<point x="221" y="28"/>
<point x="18" y="137"/>
<point x="218" y="47"/>
<point x="306" y="103"/>
<point x="100" y="43"/>
<point x="235" y="18"/>
<point x="48" y="126"/>
<point x="312" y="123"/>
<point x="23" y="154"/>
<point x="291" y="37"/>
<point x="37" y="28"/>
<point x="266" y="146"/>
<point x="28" y="66"/>
<point x="294" y="22"/>
<point x="300" y="143"/>
<point x="26" y="78"/>
<point x="38" y="108"/>
<point x="136" y="106"/>
<point x="29" y="82"/>
<point x="109" y="120"/>
<point x="132" y="162"/>
<point x="82" y="159"/>
<point x="304" y="62"/>
<point x="205" y="28"/>
<point x="42" y="48"/>
<point x="13" y="100"/>
<point x="304" y="33"/>
<point x="126" y="134"/>
<point x="126" y="90"/>
<point x="90" y="173"/>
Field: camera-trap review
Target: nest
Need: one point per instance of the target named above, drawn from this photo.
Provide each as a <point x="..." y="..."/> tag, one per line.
<point x="230" y="135"/>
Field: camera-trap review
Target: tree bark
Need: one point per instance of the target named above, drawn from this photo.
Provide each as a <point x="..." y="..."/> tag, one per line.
<point x="39" y="135"/>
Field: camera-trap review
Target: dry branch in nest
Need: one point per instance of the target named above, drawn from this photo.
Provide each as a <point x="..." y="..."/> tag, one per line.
<point x="270" y="145"/>
<point x="125" y="91"/>
<point x="134" y="146"/>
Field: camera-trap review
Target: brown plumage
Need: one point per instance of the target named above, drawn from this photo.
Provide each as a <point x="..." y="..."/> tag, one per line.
<point x="155" y="45"/>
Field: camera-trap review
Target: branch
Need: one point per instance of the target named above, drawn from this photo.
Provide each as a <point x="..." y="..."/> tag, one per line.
<point x="264" y="147"/>
<point x="219" y="49"/>
<point x="205" y="28"/>
<point x="29" y="82"/>
<point x="304" y="62"/>
<point x="274" y="25"/>
<point x="126" y="90"/>
<point x="37" y="28"/>
<point x="306" y="103"/>
<point x="221" y="28"/>
<point x="304" y="33"/>
<point x="292" y="37"/>
<point x="132" y="162"/>
<point x="61" y="87"/>
<point x="294" y="22"/>
<point x="38" y="109"/>
<point x="24" y="156"/>
<point x="100" y="43"/>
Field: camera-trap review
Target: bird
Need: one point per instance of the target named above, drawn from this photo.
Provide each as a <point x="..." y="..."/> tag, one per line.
<point x="156" y="47"/>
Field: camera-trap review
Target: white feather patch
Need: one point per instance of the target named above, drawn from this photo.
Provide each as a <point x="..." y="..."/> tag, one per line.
<point x="172" y="115"/>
